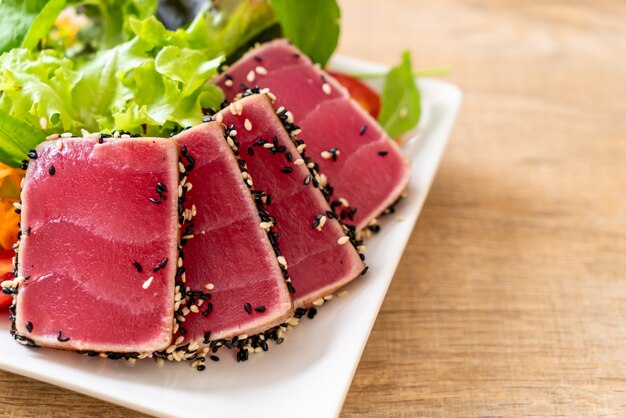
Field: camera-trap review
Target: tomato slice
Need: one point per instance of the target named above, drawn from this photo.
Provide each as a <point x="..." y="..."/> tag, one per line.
<point x="361" y="92"/>
<point x="6" y="273"/>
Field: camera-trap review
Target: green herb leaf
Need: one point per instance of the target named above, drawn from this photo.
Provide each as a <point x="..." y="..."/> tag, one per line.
<point x="42" y="23"/>
<point x="314" y="26"/>
<point x="17" y="18"/>
<point x="17" y="139"/>
<point x="401" y="104"/>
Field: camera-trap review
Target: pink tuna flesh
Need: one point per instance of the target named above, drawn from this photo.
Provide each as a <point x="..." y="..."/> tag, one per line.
<point x="370" y="177"/>
<point x="229" y="250"/>
<point x="318" y="263"/>
<point x="88" y="223"/>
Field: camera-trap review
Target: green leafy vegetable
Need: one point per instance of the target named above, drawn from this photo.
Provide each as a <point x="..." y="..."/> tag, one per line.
<point x="401" y="104"/>
<point x="17" y="18"/>
<point x="20" y="138"/>
<point x="152" y="84"/>
<point x="313" y="26"/>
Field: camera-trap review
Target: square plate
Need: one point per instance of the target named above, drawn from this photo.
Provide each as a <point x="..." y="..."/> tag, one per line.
<point x="311" y="372"/>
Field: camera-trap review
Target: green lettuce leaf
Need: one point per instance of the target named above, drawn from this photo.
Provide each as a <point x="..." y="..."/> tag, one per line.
<point x="400" y="100"/>
<point x="17" y="139"/>
<point x="313" y="26"/>
<point x="25" y="22"/>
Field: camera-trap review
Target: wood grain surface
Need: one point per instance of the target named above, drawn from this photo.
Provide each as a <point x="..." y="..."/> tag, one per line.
<point x="511" y="297"/>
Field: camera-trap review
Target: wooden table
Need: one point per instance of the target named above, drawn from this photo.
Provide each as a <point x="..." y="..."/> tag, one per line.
<point x="511" y="297"/>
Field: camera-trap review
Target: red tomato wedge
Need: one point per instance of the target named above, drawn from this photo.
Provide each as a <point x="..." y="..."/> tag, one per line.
<point x="361" y="92"/>
<point x="6" y="273"/>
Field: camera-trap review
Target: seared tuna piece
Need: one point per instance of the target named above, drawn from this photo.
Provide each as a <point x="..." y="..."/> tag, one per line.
<point x="230" y="257"/>
<point x="99" y="244"/>
<point x="366" y="168"/>
<point x="318" y="249"/>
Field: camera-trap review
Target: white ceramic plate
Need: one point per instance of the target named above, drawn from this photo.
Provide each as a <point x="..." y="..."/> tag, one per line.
<point x="310" y="373"/>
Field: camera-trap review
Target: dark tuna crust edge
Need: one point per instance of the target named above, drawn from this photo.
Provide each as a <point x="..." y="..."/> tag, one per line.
<point x="193" y="351"/>
<point x="259" y="342"/>
<point x="11" y="287"/>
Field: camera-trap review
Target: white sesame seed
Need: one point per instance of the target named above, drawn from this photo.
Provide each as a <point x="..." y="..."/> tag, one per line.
<point x="243" y="336"/>
<point x="43" y="122"/>
<point x="268" y="145"/>
<point x="280" y="109"/>
<point x="53" y="136"/>
<point x="232" y="108"/>
<point x="322" y="222"/>
<point x="233" y="133"/>
<point x="261" y="70"/>
<point x="289" y="116"/>
<point x="264" y="90"/>
<point x="185" y="311"/>
<point x="85" y="133"/>
<point x="147" y="283"/>
<point x="59" y="144"/>
<point x="282" y="261"/>
<point x="250" y="76"/>
<point x="194" y="210"/>
<point x="342" y="293"/>
<point x="194" y="309"/>
<point x="266" y="225"/>
<point x="361" y="248"/>
<point x="318" y="302"/>
<point x="180" y="190"/>
<point x="176" y="327"/>
<point x="17" y="205"/>
<point x="180" y="262"/>
<point x="301" y="148"/>
<point x="293" y="321"/>
<point x="178" y="297"/>
<point x="190" y="236"/>
<point x="209" y="286"/>
<point x="344" y="202"/>
<point x="219" y="118"/>
<point x="116" y="134"/>
<point x="328" y="297"/>
<point x="343" y="240"/>
<point x="66" y="135"/>
<point x="326" y="88"/>
<point x="299" y="161"/>
<point x="170" y="349"/>
<point x="247" y="124"/>
<point x="189" y="186"/>
<point x="228" y="83"/>
<point x="326" y="155"/>
<point x="239" y="108"/>
<point x="271" y="95"/>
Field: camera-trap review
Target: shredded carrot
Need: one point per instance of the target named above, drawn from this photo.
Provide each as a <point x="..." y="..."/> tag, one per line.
<point x="10" y="179"/>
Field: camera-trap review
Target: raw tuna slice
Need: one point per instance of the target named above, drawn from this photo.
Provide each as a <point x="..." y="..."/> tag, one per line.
<point x="230" y="255"/>
<point x="366" y="168"/>
<point x="318" y="249"/>
<point x="99" y="244"/>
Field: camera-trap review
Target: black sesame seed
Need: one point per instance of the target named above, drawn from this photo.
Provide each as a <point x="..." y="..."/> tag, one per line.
<point x="29" y="326"/>
<point x="214" y="358"/>
<point x="250" y="151"/>
<point x="362" y="130"/>
<point x="208" y="310"/>
<point x="257" y="58"/>
<point x="52" y="170"/>
<point x="160" y="187"/>
<point x="207" y="336"/>
<point x="160" y="265"/>
<point x="247" y="307"/>
<point x="228" y="77"/>
<point x="365" y="270"/>
<point x="154" y="200"/>
<point x="62" y="339"/>
<point x="137" y="266"/>
<point x="311" y="314"/>
<point x="295" y="55"/>
<point x="260" y="308"/>
<point x="286" y="170"/>
<point x="280" y="340"/>
<point x="382" y="153"/>
<point x="32" y="154"/>
<point x="288" y="156"/>
<point x="201" y="368"/>
<point x="291" y="288"/>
